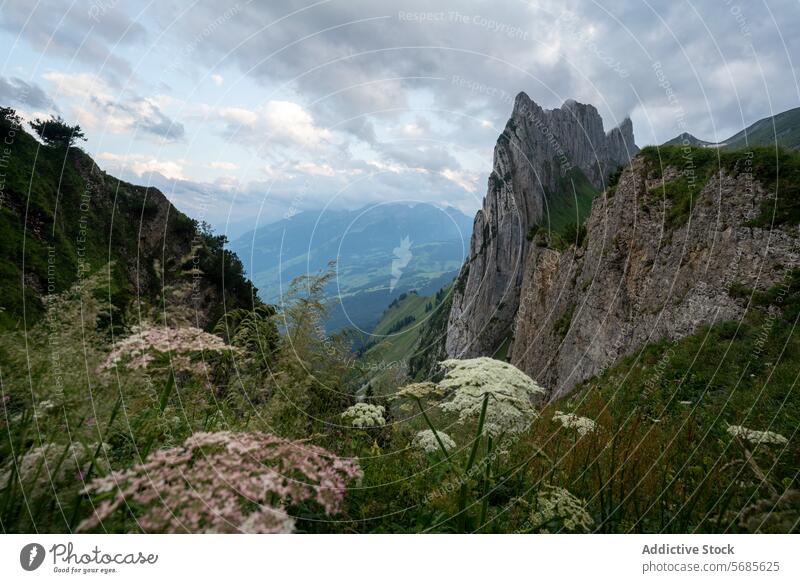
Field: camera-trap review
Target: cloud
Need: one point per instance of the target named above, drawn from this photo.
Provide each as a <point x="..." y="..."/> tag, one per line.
<point x="230" y="166"/>
<point x="275" y="122"/>
<point x="357" y="58"/>
<point x="73" y="32"/>
<point x="98" y="109"/>
<point x="141" y="164"/>
<point x="365" y="101"/>
<point x="15" y="90"/>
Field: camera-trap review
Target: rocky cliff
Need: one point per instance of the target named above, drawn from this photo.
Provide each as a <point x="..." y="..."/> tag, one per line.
<point x="547" y="163"/>
<point x="682" y="241"/>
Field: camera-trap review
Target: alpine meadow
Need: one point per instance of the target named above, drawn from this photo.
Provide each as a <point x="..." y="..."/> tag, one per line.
<point x="523" y="268"/>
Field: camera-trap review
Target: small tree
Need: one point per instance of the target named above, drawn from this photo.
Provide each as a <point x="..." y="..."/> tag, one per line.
<point x="56" y="132"/>
<point x="8" y="116"/>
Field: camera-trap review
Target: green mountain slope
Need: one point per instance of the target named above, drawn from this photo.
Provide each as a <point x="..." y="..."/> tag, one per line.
<point x="395" y="341"/>
<point x="782" y="129"/>
<point x="62" y="219"/>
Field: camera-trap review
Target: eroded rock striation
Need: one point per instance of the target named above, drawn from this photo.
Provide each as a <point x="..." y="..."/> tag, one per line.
<point x="649" y="269"/>
<point x="536" y="152"/>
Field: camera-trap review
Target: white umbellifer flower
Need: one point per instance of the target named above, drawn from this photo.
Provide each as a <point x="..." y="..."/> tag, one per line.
<point x="365" y="415"/>
<point x="138" y="350"/>
<point x="756" y="437"/>
<point x="559" y="505"/>
<point x="426" y="441"/>
<point x="583" y="425"/>
<point x="511" y="391"/>
<point x="419" y="391"/>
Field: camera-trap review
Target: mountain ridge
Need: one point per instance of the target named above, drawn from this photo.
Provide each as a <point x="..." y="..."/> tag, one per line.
<point x="538" y="151"/>
<point x="781" y="129"/>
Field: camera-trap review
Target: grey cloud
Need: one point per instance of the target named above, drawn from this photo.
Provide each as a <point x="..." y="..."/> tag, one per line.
<point x="15" y="90"/>
<point x="342" y="53"/>
<point x="87" y="33"/>
<point x="414" y="154"/>
<point x="153" y="122"/>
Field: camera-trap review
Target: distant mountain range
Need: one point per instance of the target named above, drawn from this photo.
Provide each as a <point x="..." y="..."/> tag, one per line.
<point x="783" y="129"/>
<point x="381" y="251"/>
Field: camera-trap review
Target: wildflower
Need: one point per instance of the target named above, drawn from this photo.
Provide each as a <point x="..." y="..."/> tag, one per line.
<point x="42" y="408"/>
<point x="365" y="415"/>
<point x="511" y="391"/>
<point x="558" y="506"/>
<point x="583" y="425"/>
<point x="225" y="482"/>
<point x="426" y="441"/>
<point x="419" y="391"/>
<point x="756" y="437"/>
<point x="140" y="348"/>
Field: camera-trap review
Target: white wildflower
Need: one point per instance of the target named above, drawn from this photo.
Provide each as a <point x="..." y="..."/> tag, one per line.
<point x="512" y="393"/>
<point x="583" y="425"/>
<point x="139" y="349"/>
<point x="419" y="390"/>
<point x="558" y="507"/>
<point x="756" y="437"/>
<point x="365" y="415"/>
<point x="426" y="441"/>
<point x="42" y="408"/>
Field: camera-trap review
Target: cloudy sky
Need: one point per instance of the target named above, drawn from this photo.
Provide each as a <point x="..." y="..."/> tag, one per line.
<point x="244" y="109"/>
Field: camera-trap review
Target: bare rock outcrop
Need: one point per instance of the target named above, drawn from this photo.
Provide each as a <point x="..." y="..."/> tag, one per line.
<point x="537" y="149"/>
<point x="647" y="271"/>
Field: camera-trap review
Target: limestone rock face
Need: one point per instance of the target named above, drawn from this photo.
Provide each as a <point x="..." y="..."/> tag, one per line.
<point x="639" y="279"/>
<point x="537" y="149"/>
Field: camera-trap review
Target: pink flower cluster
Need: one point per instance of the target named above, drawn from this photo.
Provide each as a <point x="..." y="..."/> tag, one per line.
<point x="140" y="347"/>
<point x="225" y="482"/>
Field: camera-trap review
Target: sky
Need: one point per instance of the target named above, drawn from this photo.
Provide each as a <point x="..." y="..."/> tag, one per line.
<point x="245" y="112"/>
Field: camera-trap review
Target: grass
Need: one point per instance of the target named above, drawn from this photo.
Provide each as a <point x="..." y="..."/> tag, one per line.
<point x="778" y="170"/>
<point x="660" y="459"/>
<point x="782" y="129"/>
<point x="60" y="225"/>
<point x="570" y="202"/>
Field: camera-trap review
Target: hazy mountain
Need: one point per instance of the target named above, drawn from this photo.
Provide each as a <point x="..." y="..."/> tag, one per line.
<point x="381" y="251"/>
<point x="687" y="139"/>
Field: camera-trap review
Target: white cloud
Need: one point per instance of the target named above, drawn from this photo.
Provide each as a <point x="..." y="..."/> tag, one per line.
<point x="466" y="180"/>
<point x="96" y="107"/>
<point x="230" y="166"/>
<point x="315" y="169"/>
<point x="218" y="80"/>
<point x="140" y="164"/>
<point x="286" y="122"/>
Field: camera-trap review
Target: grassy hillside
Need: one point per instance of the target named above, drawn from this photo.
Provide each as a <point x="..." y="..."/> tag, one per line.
<point x="778" y="171"/>
<point x="666" y="444"/>
<point x="62" y="219"/>
<point x="395" y="341"/>
<point x="782" y="129"/>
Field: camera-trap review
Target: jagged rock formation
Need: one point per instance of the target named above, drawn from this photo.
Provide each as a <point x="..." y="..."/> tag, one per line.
<point x="533" y="155"/>
<point x="651" y="267"/>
